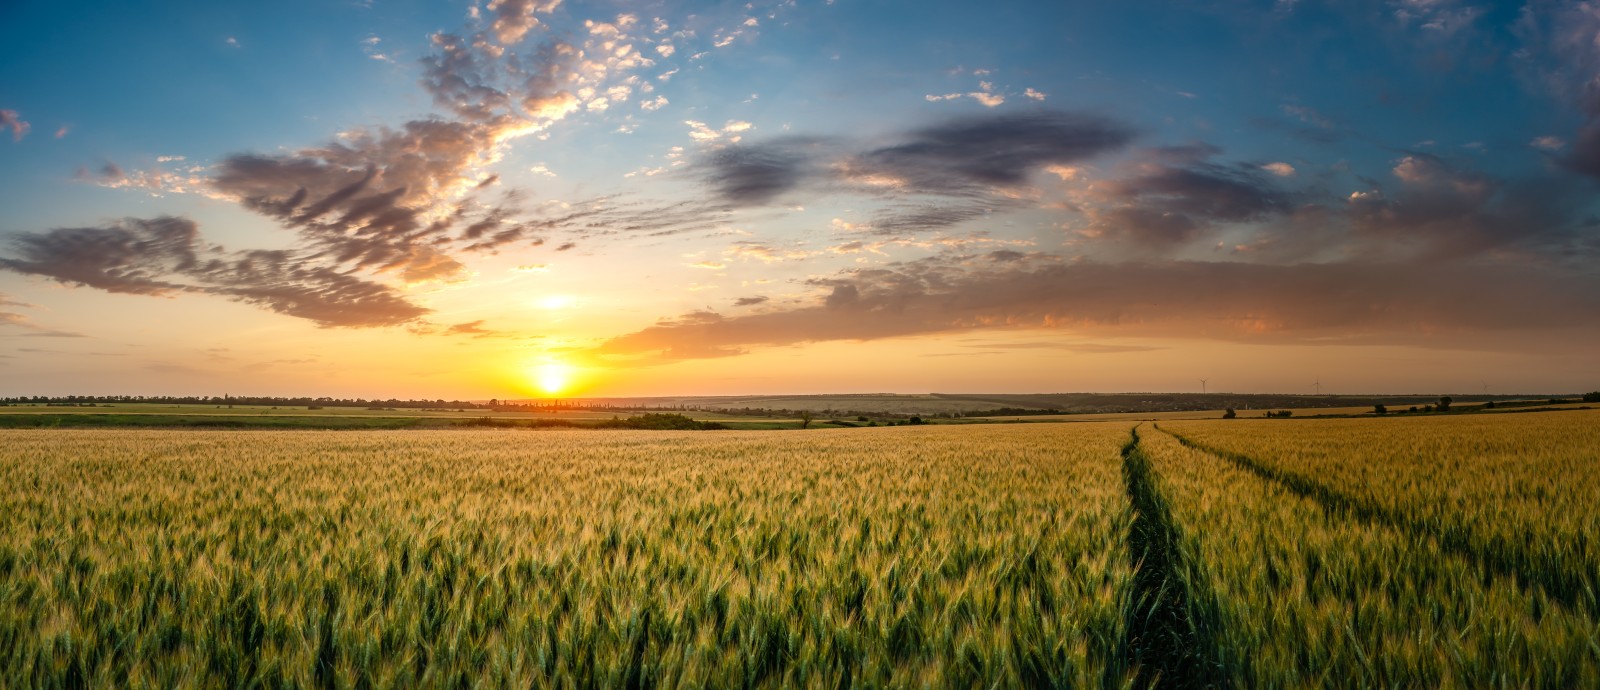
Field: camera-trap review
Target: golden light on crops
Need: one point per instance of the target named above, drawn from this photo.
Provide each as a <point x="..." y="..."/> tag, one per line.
<point x="553" y="378"/>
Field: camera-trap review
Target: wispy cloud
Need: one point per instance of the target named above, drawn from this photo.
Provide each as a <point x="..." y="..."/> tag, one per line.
<point x="165" y="256"/>
<point x="9" y="119"/>
<point x="1307" y="303"/>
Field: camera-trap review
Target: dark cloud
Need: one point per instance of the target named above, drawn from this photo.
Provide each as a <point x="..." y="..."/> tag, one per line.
<point x="1175" y="193"/>
<point x="460" y="80"/>
<point x="382" y="200"/>
<point x="45" y="333"/>
<point x="488" y="84"/>
<point x="282" y="282"/>
<point x="750" y="301"/>
<point x="1200" y="190"/>
<point x="895" y="220"/>
<point x="167" y="255"/>
<point x="136" y="257"/>
<point x="1311" y="303"/>
<point x="1146" y="227"/>
<point x="1436" y="209"/>
<point x="993" y="150"/>
<point x="1080" y="348"/>
<point x="960" y="162"/>
<point x="1585" y="155"/>
<point x="1560" y="51"/>
<point x="756" y="174"/>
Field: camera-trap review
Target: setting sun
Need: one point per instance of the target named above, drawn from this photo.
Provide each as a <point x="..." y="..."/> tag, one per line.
<point x="553" y="377"/>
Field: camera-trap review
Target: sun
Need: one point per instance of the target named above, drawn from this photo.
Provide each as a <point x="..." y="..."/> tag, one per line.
<point x="553" y="377"/>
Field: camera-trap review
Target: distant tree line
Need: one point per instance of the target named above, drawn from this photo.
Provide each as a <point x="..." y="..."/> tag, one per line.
<point x="236" y="400"/>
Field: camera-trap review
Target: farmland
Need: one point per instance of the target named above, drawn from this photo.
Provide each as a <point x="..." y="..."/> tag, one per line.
<point x="1427" y="552"/>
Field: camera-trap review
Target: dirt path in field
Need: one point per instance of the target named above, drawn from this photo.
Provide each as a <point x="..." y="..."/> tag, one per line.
<point x="1496" y="556"/>
<point x="1171" y="637"/>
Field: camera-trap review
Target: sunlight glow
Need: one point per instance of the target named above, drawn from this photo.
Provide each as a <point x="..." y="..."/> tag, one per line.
<point x="554" y="302"/>
<point x="553" y="377"/>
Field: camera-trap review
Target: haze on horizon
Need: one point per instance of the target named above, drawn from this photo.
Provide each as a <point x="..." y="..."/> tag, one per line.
<point x="491" y="199"/>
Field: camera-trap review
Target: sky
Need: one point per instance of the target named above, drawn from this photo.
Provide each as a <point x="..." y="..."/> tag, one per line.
<point x="520" y="198"/>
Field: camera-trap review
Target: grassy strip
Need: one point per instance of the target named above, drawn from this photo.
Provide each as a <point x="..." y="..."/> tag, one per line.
<point x="95" y="421"/>
<point x="1172" y="635"/>
<point x="652" y="421"/>
<point x="659" y="422"/>
<point x="1497" y="555"/>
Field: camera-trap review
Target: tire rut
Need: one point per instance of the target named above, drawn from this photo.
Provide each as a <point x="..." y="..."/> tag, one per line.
<point x="1499" y="557"/>
<point x="1172" y="640"/>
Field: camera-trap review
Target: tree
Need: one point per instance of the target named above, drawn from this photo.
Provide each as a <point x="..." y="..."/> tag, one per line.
<point x="1591" y="397"/>
<point x="1380" y="409"/>
<point x="916" y="420"/>
<point x="805" y="418"/>
<point x="1229" y="413"/>
<point x="1444" y="403"/>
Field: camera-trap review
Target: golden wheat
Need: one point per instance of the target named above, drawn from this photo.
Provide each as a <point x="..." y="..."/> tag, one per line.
<point x="952" y="556"/>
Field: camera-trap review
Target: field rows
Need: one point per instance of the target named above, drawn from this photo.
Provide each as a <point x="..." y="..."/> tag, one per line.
<point x="1041" y="555"/>
<point x="1298" y="596"/>
<point x="1517" y="492"/>
<point x="493" y="559"/>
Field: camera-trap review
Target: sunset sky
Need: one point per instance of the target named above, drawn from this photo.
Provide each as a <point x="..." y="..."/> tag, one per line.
<point x="453" y="199"/>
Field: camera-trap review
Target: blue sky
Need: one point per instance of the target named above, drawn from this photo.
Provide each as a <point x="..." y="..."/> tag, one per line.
<point x="653" y="196"/>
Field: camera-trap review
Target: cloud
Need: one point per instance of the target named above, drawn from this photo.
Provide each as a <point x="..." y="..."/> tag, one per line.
<point x="1280" y="169"/>
<point x="1309" y="124"/>
<point x="755" y="175"/>
<point x="392" y="202"/>
<point x="1080" y="348"/>
<point x="976" y="166"/>
<point x="1177" y="192"/>
<point x="514" y="18"/>
<point x="474" y="329"/>
<point x="10" y="119"/>
<point x="750" y="301"/>
<point x="156" y="181"/>
<point x="1559" y="40"/>
<point x="1548" y="144"/>
<point x="1438" y="17"/>
<point x="385" y="199"/>
<point x="460" y="79"/>
<point x="730" y="131"/>
<point x="1440" y="209"/>
<point x="9" y="318"/>
<point x="989" y="100"/>
<point x="1307" y="303"/>
<point x="1000" y="150"/>
<point x="166" y="256"/>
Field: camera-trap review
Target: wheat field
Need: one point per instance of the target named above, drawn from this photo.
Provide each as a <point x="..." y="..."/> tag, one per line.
<point x="1424" y="552"/>
<point x="569" y="559"/>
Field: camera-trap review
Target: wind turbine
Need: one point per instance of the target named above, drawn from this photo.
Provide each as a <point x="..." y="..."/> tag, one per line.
<point x="1318" y="384"/>
<point x="1202" y="386"/>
